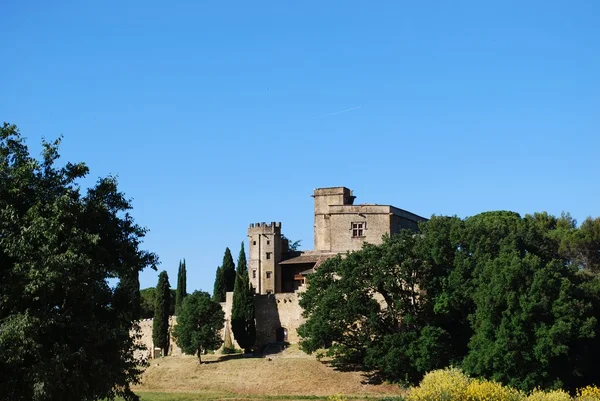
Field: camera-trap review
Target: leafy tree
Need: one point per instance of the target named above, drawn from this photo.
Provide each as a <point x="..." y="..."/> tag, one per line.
<point x="147" y="301"/>
<point x="228" y="270"/>
<point x="243" y="322"/>
<point x="162" y="306"/>
<point x="199" y="324"/>
<point x="64" y="331"/>
<point x="181" y="286"/>
<point x="219" y="288"/>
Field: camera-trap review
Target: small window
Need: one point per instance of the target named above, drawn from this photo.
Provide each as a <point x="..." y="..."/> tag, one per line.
<point x="254" y="273"/>
<point x="253" y="242"/>
<point x="269" y="255"/>
<point x="268" y="242"/>
<point x="358" y="229"/>
<point x="268" y="274"/>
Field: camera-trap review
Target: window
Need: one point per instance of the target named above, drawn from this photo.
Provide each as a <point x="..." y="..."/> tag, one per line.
<point x="268" y="274"/>
<point x="254" y="273"/>
<point x="358" y="229"/>
<point x="268" y="242"/>
<point x="269" y="255"/>
<point x="253" y="242"/>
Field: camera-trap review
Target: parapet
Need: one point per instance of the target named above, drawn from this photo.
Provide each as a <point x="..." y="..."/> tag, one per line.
<point x="273" y="227"/>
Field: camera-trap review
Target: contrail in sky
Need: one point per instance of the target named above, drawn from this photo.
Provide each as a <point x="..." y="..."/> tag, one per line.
<point x="341" y="111"/>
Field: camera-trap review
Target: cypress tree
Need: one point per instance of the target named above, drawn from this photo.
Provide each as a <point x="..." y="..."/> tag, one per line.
<point x="228" y="268"/>
<point x="181" y="286"/>
<point x="160" y="326"/>
<point x="242" y="311"/>
<point x="219" y="287"/>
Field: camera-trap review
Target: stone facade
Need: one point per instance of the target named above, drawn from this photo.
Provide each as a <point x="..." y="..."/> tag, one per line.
<point x="278" y="275"/>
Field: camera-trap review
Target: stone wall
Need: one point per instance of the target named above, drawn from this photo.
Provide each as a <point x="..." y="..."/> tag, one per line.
<point x="277" y="311"/>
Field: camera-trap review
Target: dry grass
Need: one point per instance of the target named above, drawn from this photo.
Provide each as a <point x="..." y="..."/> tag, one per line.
<point x="289" y="375"/>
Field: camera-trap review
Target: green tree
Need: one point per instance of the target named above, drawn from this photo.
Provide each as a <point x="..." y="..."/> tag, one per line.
<point x="199" y="324"/>
<point x="228" y="270"/>
<point x="147" y="301"/>
<point x="64" y="331"/>
<point x="219" y="287"/>
<point x="243" y="322"/>
<point x="162" y="306"/>
<point x="181" y="286"/>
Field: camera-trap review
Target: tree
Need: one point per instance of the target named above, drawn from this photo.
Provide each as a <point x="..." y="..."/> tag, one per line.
<point x="199" y="324"/>
<point x="148" y="301"/>
<point x="243" y="322"/>
<point x="181" y="286"/>
<point x="162" y="306"/>
<point x="65" y="332"/>
<point x="228" y="269"/>
<point x="219" y="287"/>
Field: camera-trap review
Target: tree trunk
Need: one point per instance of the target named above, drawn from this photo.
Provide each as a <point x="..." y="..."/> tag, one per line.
<point x="199" y="357"/>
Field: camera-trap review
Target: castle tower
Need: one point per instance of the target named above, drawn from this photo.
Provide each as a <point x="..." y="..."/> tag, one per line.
<point x="266" y="251"/>
<point x="325" y="197"/>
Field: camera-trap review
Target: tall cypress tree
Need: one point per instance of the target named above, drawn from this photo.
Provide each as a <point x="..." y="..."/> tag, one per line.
<point x="243" y="324"/>
<point x="181" y="286"/>
<point x="160" y="325"/>
<point x="228" y="270"/>
<point x="219" y="288"/>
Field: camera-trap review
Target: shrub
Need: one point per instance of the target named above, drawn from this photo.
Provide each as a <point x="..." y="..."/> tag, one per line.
<point x="554" y="395"/>
<point x="589" y="393"/>
<point x="337" y="397"/>
<point x="485" y="390"/>
<point x="440" y="385"/>
<point x="230" y="350"/>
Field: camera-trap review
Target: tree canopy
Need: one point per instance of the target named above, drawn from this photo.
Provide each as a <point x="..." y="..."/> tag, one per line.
<point x="243" y="324"/>
<point x="64" y="329"/>
<point x="199" y="324"/>
<point x="228" y="270"/>
<point x="162" y="306"/>
<point x="219" y="290"/>
<point x="508" y="298"/>
<point x="181" y="285"/>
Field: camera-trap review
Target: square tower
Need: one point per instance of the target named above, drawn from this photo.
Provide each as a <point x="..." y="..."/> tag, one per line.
<point x="267" y="247"/>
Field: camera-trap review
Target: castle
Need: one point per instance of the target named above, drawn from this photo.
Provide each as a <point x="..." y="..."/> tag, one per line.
<point x="278" y="274"/>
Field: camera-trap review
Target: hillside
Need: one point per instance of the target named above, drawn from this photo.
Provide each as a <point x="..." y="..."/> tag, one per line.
<point x="290" y="373"/>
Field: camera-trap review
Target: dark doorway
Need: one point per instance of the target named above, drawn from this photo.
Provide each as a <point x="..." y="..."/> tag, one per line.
<point x="281" y="334"/>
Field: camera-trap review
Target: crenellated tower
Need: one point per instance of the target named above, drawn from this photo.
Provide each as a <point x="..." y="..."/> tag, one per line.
<point x="267" y="247"/>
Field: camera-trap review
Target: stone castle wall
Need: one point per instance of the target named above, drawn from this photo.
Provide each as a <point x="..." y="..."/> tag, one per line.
<point x="276" y="311"/>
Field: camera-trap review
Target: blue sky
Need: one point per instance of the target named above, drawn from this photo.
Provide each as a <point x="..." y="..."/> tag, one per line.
<point x="218" y="114"/>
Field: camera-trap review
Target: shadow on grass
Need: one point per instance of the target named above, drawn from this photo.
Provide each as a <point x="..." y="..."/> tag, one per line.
<point x="370" y="377"/>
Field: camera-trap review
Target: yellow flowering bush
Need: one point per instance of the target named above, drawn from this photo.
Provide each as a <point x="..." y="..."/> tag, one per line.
<point x="554" y="395"/>
<point x="337" y="397"/>
<point x="484" y="390"/>
<point x="589" y="393"/>
<point x="440" y="385"/>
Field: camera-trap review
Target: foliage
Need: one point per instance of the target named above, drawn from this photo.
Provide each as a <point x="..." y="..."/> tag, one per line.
<point x="243" y="322"/>
<point x="588" y="393"/>
<point x="440" y="385"/>
<point x="231" y="351"/>
<point x="181" y="286"/>
<point x="64" y="331"/>
<point x="228" y="270"/>
<point x="219" y="289"/>
<point x="553" y="395"/>
<point x="148" y="299"/>
<point x="337" y="397"/>
<point x="199" y="324"/>
<point x="500" y="295"/>
<point x="162" y="306"/>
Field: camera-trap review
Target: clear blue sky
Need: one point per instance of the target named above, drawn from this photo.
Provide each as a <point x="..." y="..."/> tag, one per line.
<point x="218" y="114"/>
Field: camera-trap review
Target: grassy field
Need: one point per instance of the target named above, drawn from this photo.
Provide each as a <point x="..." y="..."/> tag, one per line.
<point x="290" y="375"/>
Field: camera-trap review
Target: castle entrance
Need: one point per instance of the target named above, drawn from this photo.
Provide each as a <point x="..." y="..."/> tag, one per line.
<point x="281" y="334"/>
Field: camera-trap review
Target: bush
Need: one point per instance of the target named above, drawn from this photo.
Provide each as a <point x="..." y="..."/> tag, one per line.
<point x="337" y="397"/>
<point x="484" y="390"/>
<point x="230" y="351"/>
<point x="440" y="385"/>
<point x="589" y="393"/>
<point x="554" y="395"/>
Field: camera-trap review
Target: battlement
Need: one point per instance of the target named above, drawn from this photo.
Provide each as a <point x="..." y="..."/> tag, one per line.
<point x="264" y="228"/>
